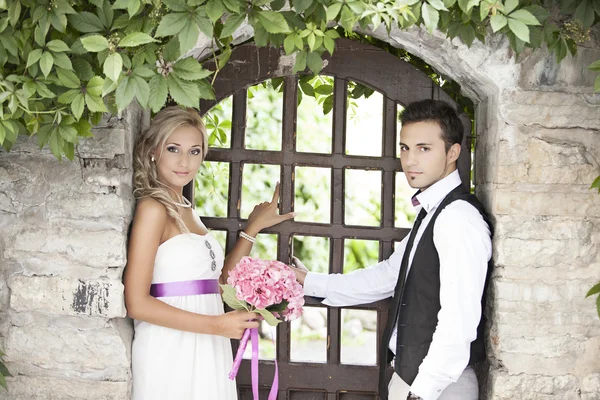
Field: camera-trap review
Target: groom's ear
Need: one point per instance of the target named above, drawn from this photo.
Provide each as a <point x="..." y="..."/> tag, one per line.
<point x="453" y="153"/>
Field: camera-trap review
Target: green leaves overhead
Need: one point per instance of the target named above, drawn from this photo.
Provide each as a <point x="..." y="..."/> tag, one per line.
<point x="62" y="66"/>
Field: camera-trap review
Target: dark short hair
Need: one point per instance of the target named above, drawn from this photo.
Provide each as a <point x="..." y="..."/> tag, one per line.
<point x="436" y="111"/>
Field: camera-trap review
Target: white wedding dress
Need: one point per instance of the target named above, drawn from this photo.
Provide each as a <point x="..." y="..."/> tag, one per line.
<point x="169" y="364"/>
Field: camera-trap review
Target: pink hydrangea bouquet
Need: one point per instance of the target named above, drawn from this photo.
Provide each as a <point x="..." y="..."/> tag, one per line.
<point x="268" y="288"/>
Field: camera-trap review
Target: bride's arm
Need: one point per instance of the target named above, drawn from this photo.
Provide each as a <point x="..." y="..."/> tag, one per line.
<point x="264" y="215"/>
<point x="149" y="224"/>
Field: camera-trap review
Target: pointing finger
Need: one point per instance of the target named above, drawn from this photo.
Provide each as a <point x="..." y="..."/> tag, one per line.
<point x="276" y="194"/>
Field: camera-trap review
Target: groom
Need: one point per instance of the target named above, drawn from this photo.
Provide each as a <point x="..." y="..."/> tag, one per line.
<point x="437" y="276"/>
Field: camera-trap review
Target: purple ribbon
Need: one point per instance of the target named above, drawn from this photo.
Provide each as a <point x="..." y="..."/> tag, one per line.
<point x="253" y="333"/>
<point x="184" y="288"/>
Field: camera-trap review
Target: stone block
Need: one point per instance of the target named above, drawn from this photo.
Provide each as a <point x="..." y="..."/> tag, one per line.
<point x="106" y="143"/>
<point x="63" y="296"/>
<point x="550" y="109"/>
<point x="548" y="156"/>
<point x="43" y="388"/>
<point x="68" y="347"/>
<point x="533" y="202"/>
<point x="66" y="244"/>
<point x="531" y="386"/>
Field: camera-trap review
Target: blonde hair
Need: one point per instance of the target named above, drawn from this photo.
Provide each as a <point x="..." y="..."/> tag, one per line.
<point x="145" y="176"/>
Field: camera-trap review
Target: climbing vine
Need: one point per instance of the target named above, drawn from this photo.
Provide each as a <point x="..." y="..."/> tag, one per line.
<point x="65" y="63"/>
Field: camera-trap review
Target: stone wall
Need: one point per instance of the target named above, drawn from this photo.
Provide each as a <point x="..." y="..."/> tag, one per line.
<point x="64" y="227"/>
<point x="63" y="246"/>
<point x="538" y="150"/>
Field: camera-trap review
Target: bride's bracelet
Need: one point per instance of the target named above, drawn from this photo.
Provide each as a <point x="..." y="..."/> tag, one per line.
<point x="249" y="238"/>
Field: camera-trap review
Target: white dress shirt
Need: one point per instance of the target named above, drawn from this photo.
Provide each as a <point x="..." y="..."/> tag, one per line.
<point x="462" y="240"/>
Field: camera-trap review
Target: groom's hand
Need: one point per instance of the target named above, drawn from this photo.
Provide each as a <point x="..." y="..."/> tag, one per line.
<point x="299" y="269"/>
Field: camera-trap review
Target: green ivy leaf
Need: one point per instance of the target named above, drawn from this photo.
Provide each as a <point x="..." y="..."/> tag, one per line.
<point x="188" y="36"/>
<point x="333" y="11"/>
<point x="14" y="12"/>
<point x="431" y="17"/>
<point x="314" y="62"/>
<point x="34" y="56"/>
<point x="585" y="13"/>
<point x="57" y="46"/>
<point x="43" y="90"/>
<point x="597" y="89"/>
<point x="95" y="103"/>
<point x="171" y="24"/>
<point x="77" y="105"/>
<point x="206" y="90"/>
<point x="94" y="86"/>
<point x="510" y="5"/>
<point x="62" y="60"/>
<point x="113" y="66"/>
<point x="190" y="69"/>
<point x="347" y="19"/>
<point x="498" y="22"/>
<point x="176" y="5"/>
<point x="233" y="22"/>
<point x="289" y="44"/>
<point x="273" y="22"/>
<point x="95" y="43"/>
<point x="158" y="93"/>
<point x="596" y="288"/>
<point x="125" y="92"/>
<point x="595" y="66"/>
<point x="519" y="29"/>
<point x="525" y="17"/>
<point x="68" y="96"/>
<point x="301" y="5"/>
<point x="46" y="63"/>
<point x="438" y="5"/>
<point x="135" y="39"/>
<point x="467" y="5"/>
<point x="215" y="9"/>
<point x="133" y="6"/>
<point x="86" y="22"/>
<point x="143" y="91"/>
<point x="183" y="92"/>
<point x="83" y="69"/>
<point x="539" y="12"/>
<point x="300" y="64"/>
<point x="68" y="78"/>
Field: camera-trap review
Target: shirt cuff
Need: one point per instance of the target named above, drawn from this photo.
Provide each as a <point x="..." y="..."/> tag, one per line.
<point x="427" y="388"/>
<point x="315" y="284"/>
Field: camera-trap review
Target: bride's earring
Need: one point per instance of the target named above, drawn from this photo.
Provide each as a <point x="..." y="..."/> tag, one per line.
<point x="152" y="158"/>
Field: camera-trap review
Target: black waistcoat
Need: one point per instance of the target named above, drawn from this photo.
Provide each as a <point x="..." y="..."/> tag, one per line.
<point x="420" y="303"/>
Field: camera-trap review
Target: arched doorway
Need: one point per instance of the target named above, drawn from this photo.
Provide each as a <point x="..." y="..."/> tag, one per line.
<point x="399" y="83"/>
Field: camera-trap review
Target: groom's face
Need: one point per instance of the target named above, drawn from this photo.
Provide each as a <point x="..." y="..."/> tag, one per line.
<point x="423" y="154"/>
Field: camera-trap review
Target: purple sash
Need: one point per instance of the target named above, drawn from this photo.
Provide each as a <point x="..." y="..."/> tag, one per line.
<point x="184" y="288"/>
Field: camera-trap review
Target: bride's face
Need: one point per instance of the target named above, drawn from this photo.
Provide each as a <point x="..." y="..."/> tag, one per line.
<point x="179" y="159"/>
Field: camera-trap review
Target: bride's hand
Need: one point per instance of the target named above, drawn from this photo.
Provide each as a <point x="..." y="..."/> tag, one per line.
<point x="266" y="215"/>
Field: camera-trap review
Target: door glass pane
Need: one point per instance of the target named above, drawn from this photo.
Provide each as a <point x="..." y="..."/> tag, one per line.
<point x="218" y="124"/>
<point x="258" y="185"/>
<point x="264" y="111"/>
<point x="314" y="120"/>
<point x="312" y="194"/>
<point x="362" y="197"/>
<point x="364" y="121"/>
<point x="212" y="189"/>
<point x="313" y="252"/>
<point x="308" y="336"/>
<point x="359" y="254"/>
<point x="265" y="247"/>
<point x="359" y="337"/>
